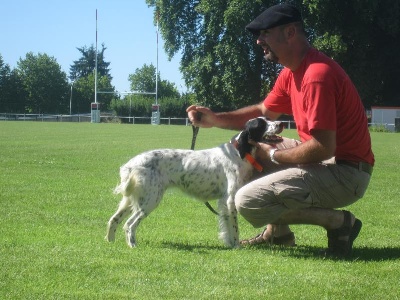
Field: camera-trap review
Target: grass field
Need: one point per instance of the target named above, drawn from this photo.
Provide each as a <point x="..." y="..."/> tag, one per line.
<point x="56" y="197"/>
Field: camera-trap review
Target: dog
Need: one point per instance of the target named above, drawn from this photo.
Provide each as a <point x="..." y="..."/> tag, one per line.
<point x="209" y="174"/>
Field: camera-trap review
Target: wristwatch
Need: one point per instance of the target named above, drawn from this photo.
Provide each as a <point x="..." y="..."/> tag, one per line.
<point x="271" y="155"/>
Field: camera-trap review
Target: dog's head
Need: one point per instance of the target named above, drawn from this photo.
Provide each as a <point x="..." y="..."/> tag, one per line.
<point x="259" y="130"/>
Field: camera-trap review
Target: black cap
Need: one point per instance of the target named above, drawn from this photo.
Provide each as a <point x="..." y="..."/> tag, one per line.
<point x="276" y="15"/>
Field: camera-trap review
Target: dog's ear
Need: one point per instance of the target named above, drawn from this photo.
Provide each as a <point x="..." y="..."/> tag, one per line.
<point x="243" y="145"/>
<point x="256" y="128"/>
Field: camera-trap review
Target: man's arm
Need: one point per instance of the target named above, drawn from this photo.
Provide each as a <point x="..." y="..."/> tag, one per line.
<point x="204" y="117"/>
<point x="320" y="147"/>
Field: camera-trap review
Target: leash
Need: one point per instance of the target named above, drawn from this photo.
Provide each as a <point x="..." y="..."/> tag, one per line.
<point x="195" y="132"/>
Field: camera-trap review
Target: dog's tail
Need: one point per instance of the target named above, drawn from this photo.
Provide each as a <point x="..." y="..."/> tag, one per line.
<point x="127" y="184"/>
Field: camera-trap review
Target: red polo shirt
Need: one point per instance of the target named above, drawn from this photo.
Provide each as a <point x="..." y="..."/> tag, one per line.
<point x="320" y="95"/>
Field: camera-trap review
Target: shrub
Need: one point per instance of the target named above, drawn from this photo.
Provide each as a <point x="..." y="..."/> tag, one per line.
<point x="140" y="106"/>
<point x="378" y="128"/>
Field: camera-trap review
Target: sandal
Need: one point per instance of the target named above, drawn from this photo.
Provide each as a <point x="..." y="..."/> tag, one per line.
<point x="284" y="240"/>
<point x="337" y="247"/>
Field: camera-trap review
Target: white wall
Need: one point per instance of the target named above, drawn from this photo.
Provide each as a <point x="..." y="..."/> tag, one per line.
<point x="385" y="116"/>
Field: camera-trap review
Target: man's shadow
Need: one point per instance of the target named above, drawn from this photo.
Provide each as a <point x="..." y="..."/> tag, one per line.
<point x="367" y="254"/>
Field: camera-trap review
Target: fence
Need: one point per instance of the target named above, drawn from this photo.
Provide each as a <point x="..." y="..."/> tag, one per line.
<point x="105" y="118"/>
<point x="45" y="117"/>
<point x="109" y="118"/>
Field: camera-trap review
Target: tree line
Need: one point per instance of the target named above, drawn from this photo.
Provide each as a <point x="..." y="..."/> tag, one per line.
<point x="39" y="85"/>
<point x="221" y="63"/>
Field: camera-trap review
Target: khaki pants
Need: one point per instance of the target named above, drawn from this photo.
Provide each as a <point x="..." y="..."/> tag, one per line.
<point x="325" y="185"/>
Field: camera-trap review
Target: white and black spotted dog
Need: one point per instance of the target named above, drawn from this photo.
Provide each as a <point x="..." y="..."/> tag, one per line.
<point x="209" y="174"/>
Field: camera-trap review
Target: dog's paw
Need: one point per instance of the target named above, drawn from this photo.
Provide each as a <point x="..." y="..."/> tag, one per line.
<point x="131" y="245"/>
<point x="109" y="239"/>
<point x="130" y="240"/>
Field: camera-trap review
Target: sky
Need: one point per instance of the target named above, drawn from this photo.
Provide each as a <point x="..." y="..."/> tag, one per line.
<point x="58" y="27"/>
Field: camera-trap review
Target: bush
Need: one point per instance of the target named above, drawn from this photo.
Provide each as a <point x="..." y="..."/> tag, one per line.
<point x="378" y="128"/>
<point x="140" y="106"/>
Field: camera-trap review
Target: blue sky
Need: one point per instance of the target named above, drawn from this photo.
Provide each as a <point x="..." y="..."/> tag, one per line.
<point x="58" y="27"/>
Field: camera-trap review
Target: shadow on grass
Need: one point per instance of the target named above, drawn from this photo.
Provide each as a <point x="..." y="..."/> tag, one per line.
<point x="305" y="252"/>
<point x="377" y="254"/>
<point x="193" y="247"/>
<point x="359" y="254"/>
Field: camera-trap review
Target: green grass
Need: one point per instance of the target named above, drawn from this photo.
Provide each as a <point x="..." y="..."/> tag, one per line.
<point x="56" y="197"/>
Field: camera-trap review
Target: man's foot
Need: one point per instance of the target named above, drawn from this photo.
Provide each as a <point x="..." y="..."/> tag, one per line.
<point x="340" y="240"/>
<point x="267" y="237"/>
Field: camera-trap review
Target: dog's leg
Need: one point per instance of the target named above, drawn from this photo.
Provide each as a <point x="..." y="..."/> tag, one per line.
<point x="145" y="199"/>
<point x="121" y="213"/>
<point x="130" y="227"/>
<point x="228" y="223"/>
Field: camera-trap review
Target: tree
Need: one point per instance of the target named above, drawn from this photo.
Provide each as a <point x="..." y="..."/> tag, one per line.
<point x="11" y="90"/>
<point x="225" y="69"/>
<point x="144" y="80"/>
<point x="44" y="83"/>
<point x="363" y="37"/>
<point x="220" y="60"/>
<point x="82" y="76"/>
<point x="87" y="63"/>
<point x="83" y="93"/>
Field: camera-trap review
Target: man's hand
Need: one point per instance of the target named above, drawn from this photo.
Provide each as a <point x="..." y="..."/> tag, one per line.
<point x="262" y="152"/>
<point x="320" y="147"/>
<point x="201" y="116"/>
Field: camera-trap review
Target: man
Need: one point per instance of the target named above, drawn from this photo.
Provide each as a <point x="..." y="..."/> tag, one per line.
<point x="331" y="166"/>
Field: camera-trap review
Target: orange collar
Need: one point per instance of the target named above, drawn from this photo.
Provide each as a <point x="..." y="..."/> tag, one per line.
<point x="253" y="162"/>
<point x="248" y="156"/>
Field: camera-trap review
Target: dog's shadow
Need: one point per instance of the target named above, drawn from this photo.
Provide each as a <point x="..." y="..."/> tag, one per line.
<point x="367" y="254"/>
<point x="200" y="248"/>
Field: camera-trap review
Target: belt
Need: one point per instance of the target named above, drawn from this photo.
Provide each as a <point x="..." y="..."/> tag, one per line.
<point x="361" y="166"/>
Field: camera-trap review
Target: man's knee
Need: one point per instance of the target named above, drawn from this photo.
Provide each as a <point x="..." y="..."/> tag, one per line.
<point x="241" y="200"/>
<point x="258" y="208"/>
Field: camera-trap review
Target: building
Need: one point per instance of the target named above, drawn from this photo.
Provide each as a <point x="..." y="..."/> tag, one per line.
<point x="386" y="116"/>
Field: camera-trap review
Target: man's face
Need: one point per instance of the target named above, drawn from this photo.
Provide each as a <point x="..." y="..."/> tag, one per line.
<point x="272" y="40"/>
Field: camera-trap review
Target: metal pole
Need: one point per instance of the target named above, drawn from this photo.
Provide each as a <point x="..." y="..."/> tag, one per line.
<point x="95" y="74"/>
<point x="70" y="100"/>
<point x="130" y="107"/>
<point x="157" y="65"/>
